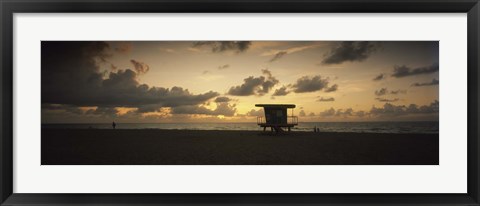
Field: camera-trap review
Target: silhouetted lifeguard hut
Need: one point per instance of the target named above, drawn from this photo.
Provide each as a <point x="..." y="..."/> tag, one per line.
<point x="276" y="117"/>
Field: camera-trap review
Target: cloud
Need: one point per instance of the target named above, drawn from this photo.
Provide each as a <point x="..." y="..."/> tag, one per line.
<point x="338" y="113"/>
<point x="332" y="88"/>
<point x="71" y="76"/>
<point x="225" y="66"/>
<point x="63" y="107"/>
<point x="385" y="91"/>
<point x="360" y="113"/>
<point x="387" y="100"/>
<point x="329" y="99"/>
<point x="103" y="111"/>
<point x="379" y="77"/>
<point x="223" y="108"/>
<point x="425" y="109"/>
<point x="311" y="114"/>
<point x="255" y="85"/>
<point x="432" y="83"/>
<point x="251" y="86"/>
<point x="398" y="92"/>
<point x="310" y="84"/>
<point x="350" y="51"/>
<point x="140" y="67"/>
<point x="281" y="92"/>
<point x="344" y="113"/>
<point x="222" y="99"/>
<point x="223" y="46"/>
<point x="290" y="50"/>
<point x="205" y="72"/>
<point x="399" y="110"/>
<point x="253" y="112"/>
<point x="328" y="113"/>
<point x="277" y="56"/>
<point x="404" y="71"/>
<point x="387" y="110"/>
<point x="381" y="92"/>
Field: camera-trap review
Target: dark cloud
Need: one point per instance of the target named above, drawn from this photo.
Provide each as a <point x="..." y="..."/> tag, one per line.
<point x="255" y="85"/>
<point x="350" y="51"/>
<point x="379" y="77"/>
<point x="311" y="114"/>
<point x="71" y="76"/>
<point x="54" y="106"/>
<point x="222" y="99"/>
<point x="387" y="110"/>
<point x="310" y="84"/>
<point x="338" y="113"/>
<point x="140" y="67"/>
<point x="250" y="86"/>
<point x="269" y="82"/>
<point x="122" y="89"/>
<point x="329" y="99"/>
<point x="222" y="46"/>
<point x="225" y="66"/>
<point x="277" y="56"/>
<point x="398" y="92"/>
<point x="281" y="92"/>
<point x="360" y="113"/>
<point x="205" y="72"/>
<point x="385" y="91"/>
<point x="223" y="108"/>
<point x="332" y="88"/>
<point x="424" y="109"/>
<point x="63" y="107"/>
<point x="103" y="111"/>
<point x="387" y="100"/>
<point x="398" y="110"/>
<point x="432" y="83"/>
<point x="404" y="71"/>
<point x="381" y="92"/>
<point x="344" y="113"/>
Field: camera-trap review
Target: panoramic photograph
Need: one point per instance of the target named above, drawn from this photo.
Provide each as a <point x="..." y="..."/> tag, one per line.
<point x="240" y="103"/>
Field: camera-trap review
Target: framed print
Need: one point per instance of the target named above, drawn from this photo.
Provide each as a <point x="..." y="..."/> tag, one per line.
<point x="264" y="102"/>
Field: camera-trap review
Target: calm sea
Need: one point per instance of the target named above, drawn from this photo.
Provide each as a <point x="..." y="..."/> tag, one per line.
<point x="368" y="127"/>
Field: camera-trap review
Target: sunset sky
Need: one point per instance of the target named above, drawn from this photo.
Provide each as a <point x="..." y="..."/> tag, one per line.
<point x="188" y="81"/>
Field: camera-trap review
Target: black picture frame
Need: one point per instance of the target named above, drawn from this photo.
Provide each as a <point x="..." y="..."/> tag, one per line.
<point x="10" y="7"/>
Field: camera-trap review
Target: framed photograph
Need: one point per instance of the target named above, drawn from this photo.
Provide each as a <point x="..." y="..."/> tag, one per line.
<point x="265" y="102"/>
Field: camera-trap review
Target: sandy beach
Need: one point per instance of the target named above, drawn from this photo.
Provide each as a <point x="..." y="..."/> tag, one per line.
<point x="207" y="147"/>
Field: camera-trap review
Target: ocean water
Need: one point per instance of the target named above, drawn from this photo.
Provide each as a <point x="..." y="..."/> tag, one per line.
<point x="360" y="127"/>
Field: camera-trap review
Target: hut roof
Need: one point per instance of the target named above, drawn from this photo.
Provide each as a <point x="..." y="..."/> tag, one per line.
<point x="276" y="105"/>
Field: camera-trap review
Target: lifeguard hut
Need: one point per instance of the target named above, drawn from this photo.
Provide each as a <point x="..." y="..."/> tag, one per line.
<point x="276" y="117"/>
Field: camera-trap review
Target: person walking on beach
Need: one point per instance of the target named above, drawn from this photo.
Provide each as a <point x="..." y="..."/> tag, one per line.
<point x="114" y="125"/>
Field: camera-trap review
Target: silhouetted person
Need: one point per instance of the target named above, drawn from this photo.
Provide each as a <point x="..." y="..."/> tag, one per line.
<point x="318" y="129"/>
<point x="315" y="129"/>
<point x="114" y="125"/>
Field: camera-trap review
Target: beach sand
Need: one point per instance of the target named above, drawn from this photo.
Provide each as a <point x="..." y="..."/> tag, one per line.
<point x="197" y="147"/>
